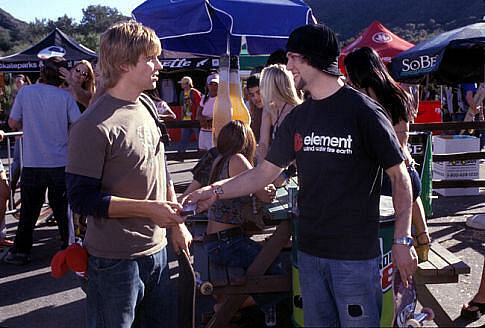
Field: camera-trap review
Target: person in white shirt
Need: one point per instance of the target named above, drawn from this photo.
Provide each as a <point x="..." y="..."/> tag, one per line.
<point x="205" y="111"/>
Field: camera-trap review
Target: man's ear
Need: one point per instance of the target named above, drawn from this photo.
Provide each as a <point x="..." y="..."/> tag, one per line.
<point x="124" y="67"/>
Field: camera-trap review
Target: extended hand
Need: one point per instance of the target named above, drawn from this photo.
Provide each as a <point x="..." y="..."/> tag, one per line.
<point x="204" y="198"/>
<point x="406" y="261"/>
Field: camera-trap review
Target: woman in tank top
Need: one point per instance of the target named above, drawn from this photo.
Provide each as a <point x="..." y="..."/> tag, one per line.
<point x="225" y="240"/>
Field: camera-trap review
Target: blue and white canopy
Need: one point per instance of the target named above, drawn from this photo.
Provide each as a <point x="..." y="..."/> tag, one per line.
<point x="204" y="26"/>
<point x="456" y="56"/>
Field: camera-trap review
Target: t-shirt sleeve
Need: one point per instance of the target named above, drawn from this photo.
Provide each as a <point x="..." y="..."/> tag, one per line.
<point x="281" y="152"/>
<point x="381" y="139"/>
<point x="73" y="112"/>
<point x="86" y="149"/>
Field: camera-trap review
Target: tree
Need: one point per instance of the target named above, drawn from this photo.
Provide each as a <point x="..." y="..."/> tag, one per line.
<point x="97" y="18"/>
<point x="64" y="23"/>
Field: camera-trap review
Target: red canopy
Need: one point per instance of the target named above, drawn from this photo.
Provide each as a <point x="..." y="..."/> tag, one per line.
<point x="382" y="40"/>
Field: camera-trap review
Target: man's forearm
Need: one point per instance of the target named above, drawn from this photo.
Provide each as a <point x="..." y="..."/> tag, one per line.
<point x="120" y="207"/>
<point x="248" y="182"/>
<point x="402" y="201"/>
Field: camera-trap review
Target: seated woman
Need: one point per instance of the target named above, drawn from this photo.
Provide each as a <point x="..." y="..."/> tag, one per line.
<point x="367" y="73"/>
<point x="79" y="82"/>
<point x="279" y="97"/>
<point x="236" y="145"/>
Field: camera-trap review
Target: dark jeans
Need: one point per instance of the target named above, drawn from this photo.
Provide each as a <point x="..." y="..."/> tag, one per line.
<point x="124" y="293"/>
<point x="185" y="138"/>
<point x="34" y="183"/>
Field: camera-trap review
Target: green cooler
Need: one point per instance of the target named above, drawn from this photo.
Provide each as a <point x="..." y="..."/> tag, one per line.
<point x="386" y="235"/>
<point x="420" y="147"/>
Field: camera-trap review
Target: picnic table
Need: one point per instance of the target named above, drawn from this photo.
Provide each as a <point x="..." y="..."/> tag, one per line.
<point x="236" y="283"/>
<point x="442" y="267"/>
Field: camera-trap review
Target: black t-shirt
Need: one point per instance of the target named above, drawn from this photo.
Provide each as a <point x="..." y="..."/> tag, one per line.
<point x="341" y="143"/>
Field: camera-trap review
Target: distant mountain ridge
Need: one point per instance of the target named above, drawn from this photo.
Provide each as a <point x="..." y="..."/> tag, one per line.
<point x="413" y="20"/>
<point x="11" y="25"/>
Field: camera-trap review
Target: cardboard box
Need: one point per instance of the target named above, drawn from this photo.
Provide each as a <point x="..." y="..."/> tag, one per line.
<point x="456" y="170"/>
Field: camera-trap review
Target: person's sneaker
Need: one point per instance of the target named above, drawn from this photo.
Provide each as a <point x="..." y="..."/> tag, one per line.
<point x="17" y="258"/>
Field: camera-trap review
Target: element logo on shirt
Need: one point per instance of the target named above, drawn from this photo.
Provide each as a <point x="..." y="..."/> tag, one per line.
<point x="328" y="144"/>
<point x="298" y="142"/>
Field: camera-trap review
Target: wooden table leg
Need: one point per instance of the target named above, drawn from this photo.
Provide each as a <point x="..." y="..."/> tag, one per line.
<point x="426" y="299"/>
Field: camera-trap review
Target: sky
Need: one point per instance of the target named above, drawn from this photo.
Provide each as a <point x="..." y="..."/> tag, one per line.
<point x="28" y="10"/>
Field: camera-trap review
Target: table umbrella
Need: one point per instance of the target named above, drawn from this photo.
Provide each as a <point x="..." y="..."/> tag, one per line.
<point x="216" y="27"/>
<point x="456" y="56"/>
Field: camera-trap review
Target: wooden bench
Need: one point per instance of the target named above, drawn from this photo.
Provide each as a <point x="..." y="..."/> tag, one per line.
<point x="442" y="267"/>
<point x="237" y="284"/>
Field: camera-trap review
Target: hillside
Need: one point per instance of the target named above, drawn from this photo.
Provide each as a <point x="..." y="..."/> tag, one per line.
<point x="10" y="29"/>
<point x="414" y="20"/>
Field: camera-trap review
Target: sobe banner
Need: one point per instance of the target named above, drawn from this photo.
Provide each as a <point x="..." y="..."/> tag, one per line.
<point x="453" y="57"/>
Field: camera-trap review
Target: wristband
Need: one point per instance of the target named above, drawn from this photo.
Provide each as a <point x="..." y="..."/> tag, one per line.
<point x="214" y="190"/>
<point x="284" y="175"/>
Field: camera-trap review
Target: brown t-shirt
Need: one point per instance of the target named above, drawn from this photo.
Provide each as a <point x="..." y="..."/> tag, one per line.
<point x="118" y="142"/>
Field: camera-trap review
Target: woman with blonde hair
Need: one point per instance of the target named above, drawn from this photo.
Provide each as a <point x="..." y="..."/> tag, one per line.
<point x="279" y="97"/>
<point x="80" y="82"/>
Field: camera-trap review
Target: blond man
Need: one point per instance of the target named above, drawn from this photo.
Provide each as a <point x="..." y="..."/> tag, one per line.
<point x="116" y="174"/>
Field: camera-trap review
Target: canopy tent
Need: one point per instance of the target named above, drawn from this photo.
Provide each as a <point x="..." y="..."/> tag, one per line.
<point x="379" y="38"/>
<point x="56" y="43"/>
<point x="217" y="27"/>
<point x="452" y="57"/>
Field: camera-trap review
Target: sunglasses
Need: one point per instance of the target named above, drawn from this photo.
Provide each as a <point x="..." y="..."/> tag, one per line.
<point x="83" y="73"/>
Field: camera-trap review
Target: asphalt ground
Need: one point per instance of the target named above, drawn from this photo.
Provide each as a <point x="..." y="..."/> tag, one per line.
<point x="31" y="298"/>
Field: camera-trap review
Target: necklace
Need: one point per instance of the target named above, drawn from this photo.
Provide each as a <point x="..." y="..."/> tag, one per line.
<point x="277" y="122"/>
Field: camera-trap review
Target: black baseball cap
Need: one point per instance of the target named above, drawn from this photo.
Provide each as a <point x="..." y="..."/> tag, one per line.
<point x="319" y="44"/>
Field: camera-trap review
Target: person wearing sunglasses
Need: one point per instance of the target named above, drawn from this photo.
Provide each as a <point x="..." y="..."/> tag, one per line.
<point x="79" y="82"/>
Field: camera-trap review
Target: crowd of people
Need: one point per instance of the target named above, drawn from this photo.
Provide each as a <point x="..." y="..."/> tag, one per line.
<point x="94" y="139"/>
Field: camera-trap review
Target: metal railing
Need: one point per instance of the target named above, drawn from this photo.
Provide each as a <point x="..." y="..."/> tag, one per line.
<point x="11" y="209"/>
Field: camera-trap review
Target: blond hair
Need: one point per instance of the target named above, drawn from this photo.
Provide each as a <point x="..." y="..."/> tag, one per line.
<point x="277" y="84"/>
<point x="88" y="84"/>
<point x="124" y="43"/>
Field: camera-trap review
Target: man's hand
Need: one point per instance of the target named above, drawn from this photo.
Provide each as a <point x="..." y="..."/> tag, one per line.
<point x="204" y="198"/>
<point x="181" y="238"/>
<point x="165" y="214"/>
<point x="406" y="260"/>
<point x="268" y="194"/>
<point x="65" y="74"/>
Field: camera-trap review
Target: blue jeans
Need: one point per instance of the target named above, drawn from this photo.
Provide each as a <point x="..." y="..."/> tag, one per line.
<point x="185" y="139"/>
<point x="240" y="251"/>
<point x="339" y="292"/>
<point x="124" y="293"/>
<point x="34" y="183"/>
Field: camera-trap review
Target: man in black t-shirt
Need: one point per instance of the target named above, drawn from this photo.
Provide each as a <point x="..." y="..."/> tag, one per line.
<point x="342" y="141"/>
